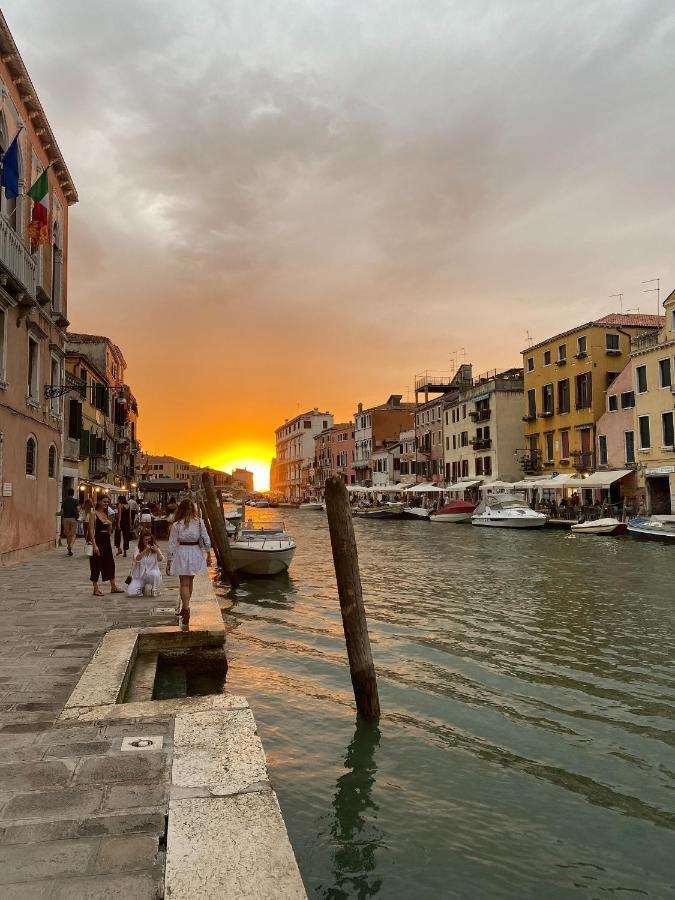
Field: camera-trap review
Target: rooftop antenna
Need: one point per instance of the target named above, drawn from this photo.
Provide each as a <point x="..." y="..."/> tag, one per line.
<point x="529" y="337"/>
<point x="620" y="296"/>
<point x="656" y="290"/>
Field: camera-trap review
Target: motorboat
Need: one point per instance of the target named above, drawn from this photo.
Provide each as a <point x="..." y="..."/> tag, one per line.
<point x="416" y="512"/>
<point x="389" y="511"/>
<point x="454" y="511"/>
<point x="262" y="548"/>
<point x="233" y="514"/>
<point x="311" y="504"/>
<point x="653" y="528"/>
<point x="506" y="511"/>
<point x="599" y="526"/>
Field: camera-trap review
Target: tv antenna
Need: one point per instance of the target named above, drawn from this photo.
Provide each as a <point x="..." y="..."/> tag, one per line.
<point x="620" y="296"/>
<point x="529" y="337"/>
<point x="656" y="290"/>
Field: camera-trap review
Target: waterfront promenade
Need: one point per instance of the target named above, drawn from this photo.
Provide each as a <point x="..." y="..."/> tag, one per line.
<point x="80" y="815"/>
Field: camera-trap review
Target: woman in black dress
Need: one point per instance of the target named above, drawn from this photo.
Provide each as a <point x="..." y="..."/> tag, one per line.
<point x="102" y="563"/>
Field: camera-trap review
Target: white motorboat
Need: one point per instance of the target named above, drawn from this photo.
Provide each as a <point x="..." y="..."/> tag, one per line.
<point x="233" y="514"/>
<point x="262" y="548"/>
<point x="312" y="504"/>
<point x="506" y="511"/>
<point x="416" y="512"/>
<point x="653" y="528"/>
<point x="600" y="526"/>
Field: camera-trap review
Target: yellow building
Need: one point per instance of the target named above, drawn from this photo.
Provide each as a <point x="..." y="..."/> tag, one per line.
<point x="566" y="377"/>
<point x="653" y="372"/>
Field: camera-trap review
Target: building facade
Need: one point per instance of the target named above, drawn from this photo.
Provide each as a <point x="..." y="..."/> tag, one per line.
<point x="294" y="469"/>
<point x="163" y="466"/>
<point x="615" y="444"/>
<point x="244" y="479"/>
<point x="566" y="378"/>
<point x="653" y="375"/>
<point x="374" y="426"/>
<point x="33" y="316"/>
<point x="334" y="454"/>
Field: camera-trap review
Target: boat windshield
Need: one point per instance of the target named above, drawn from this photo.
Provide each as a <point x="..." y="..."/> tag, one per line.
<point x="501" y="501"/>
<point x="267" y="527"/>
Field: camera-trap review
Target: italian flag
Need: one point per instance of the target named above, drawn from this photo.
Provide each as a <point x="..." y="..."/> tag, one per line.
<point x="38" y="229"/>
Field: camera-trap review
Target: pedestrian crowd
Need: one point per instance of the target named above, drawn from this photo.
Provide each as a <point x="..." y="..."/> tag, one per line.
<point x="103" y="526"/>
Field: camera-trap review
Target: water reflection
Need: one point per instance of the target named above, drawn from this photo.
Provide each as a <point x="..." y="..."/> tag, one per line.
<point x="354" y="812"/>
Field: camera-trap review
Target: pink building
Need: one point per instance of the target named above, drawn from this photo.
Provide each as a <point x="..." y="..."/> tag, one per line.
<point x="334" y="454"/>
<point x="616" y="429"/>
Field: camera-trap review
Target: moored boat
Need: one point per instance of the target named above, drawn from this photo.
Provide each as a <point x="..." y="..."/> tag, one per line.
<point x="311" y="504"/>
<point x="262" y="548"/>
<point x="653" y="528"/>
<point x="390" y="511"/>
<point x="506" y="511"/>
<point x="454" y="511"/>
<point x="416" y="512"/>
<point x="599" y="526"/>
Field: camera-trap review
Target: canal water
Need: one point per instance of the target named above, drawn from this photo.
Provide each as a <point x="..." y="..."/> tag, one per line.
<point x="527" y="682"/>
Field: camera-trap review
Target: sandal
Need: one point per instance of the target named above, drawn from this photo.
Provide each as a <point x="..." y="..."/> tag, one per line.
<point x="98" y="594"/>
<point x="117" y="591"/>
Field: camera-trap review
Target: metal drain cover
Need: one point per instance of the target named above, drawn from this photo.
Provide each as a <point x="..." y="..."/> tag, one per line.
<point x="143" y="742"/>
<point x="165" y="610"/>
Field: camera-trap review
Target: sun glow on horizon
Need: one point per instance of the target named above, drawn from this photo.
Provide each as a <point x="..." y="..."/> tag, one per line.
<point x="254" y="461"/>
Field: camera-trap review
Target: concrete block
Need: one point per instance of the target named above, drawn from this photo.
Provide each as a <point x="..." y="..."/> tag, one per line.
<point x="128" y="796"/>
<point x="144" y="822"/>
<point x="45" y="860"/>
<point x="27" y="890"/>
<point x="107" y="887"/>
<point x="128" y="712"/>
<point x="35" y="776"/>
<point x="117" y="767"/>
<point x="77" y="748"/>
<point x="126" y="854"/>
<point x="49" y="805"/>
<point x="35" y="832"/>
<point x="230" y="847"/>
<point x="104" y="680"/>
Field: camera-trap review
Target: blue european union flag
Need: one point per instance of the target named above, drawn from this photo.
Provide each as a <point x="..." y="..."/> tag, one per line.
<point x="10" y="169"/>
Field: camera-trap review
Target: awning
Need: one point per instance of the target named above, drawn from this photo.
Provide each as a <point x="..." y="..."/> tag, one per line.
<point x="424" y="489"/>
<point x="547" y="483"/>
<point x="106" y="488"/>
<point x="461" y="485"/>
<point x="498" y="485"/>
<point x="480" y="397"/>
<point x="598" y="479"/>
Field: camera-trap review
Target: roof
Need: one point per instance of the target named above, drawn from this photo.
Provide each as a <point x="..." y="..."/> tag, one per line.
<point x="76" y="338"/>
<point x="12" y="59"/>
<point x="613" y="320"/>
<point x="164" y="458"/>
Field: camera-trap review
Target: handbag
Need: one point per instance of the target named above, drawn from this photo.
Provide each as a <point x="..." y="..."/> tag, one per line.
<point x="88" y="549"/>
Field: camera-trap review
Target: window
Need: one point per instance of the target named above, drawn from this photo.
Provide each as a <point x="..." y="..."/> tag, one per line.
<point x="465" y="468"/>
<point x="564" y="396"/>
<point x="464" y="411"/>
<point x="610" y="377"/>
<point x="547" y="357"/>
<point x="612" y="405"/>
<point x="627" y="399"/>
<point x="581" y="344"/>
<point x="531" y="403"/>
<point x="479" y="466"/>
<point x="562" y="352"/>
<point x="667" y="429"/>
<point x="31" y="457"/>
<point x="465" y="439"/>
<point x="487" y="465"/>
<point x="602" y="449"/>
<point x="547" y="399"/>
<point x="565" y="444"/>
<point x="55" y="381"/>
<point x="612" y="342"/>
<point x="641" y="379"/>
<point x="664" y="373"/>
<point x="74" y="419"/>
<point x="548" y="442"/>
<point x="629" y="440"/>
<point x="307" y="423"/>
<point x="643" y="427"/>
<point x="3" y="343"/>
<point x="582" y="385"/>
<point x="530" y="363"/>
<point x="33" y="368"/>
<point x="51" y="462"/>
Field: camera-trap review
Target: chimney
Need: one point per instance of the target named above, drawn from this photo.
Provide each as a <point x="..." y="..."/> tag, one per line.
<point x="360" y="408"/>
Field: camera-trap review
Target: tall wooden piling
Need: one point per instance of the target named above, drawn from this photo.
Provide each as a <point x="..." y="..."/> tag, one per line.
<point x="218" y="527"/>
<point x="346" y="561"/>
<point x="205" y="516"/>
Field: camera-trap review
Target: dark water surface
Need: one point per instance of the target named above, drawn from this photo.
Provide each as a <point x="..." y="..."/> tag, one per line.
<point x="527" y="683"/>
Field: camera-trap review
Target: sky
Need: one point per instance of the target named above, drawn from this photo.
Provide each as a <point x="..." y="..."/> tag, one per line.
<point x="296" y="203"/>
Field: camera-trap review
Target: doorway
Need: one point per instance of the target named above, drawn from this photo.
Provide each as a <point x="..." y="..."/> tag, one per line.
<point x="658" y="496"/>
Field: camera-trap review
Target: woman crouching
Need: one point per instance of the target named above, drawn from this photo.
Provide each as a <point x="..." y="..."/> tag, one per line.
<point x="145" y="572"/>
<point x="187" y="541"/>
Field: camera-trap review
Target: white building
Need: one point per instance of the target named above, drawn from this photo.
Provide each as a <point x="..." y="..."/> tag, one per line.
<point x="387" y="464"/>
<point x="294" y="469"/>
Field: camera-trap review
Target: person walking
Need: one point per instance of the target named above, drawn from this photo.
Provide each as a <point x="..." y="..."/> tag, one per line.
<point x="101" y="562"/>
<point x="145" y="572"/>
<point x="187" y="541"/>
<point x="133" y="509"/>
<point x="70" y="510"/>
<point x="122" y="526"/>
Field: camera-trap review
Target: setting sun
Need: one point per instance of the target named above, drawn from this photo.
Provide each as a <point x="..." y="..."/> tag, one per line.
<point x="256" y="458"/>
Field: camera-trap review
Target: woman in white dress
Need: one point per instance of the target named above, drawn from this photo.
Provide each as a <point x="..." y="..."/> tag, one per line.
<point x="145" y="572"/>
<point x="187" y="541"/>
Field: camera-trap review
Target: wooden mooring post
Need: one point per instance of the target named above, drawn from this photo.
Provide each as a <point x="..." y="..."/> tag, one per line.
<point x="220" y="539"/>
<point x="205" y="515"/>
<point x="346" y="561"/>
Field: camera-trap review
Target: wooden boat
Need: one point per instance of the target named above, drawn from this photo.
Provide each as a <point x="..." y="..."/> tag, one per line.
<point x="599" y="526"/>
<point x="454" y="511"/>
<point x="653" y="528"/>
<point x="391" y="511"/>
<point x="262" y="548"/>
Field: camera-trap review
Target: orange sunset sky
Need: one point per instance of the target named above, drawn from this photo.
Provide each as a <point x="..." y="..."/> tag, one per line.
<point x="286" y="205"/>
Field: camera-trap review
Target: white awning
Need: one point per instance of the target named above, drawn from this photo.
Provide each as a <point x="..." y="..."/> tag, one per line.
<point x="424" y="489"/>
<point x="461" y="485"/>
<point x="547" y="483"/>
<point x="599" y="479"/>
<point x="498" y="486"/>
<point x="104" y="487"/>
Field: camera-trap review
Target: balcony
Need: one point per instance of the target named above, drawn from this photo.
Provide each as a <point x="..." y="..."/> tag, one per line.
<point x="17" y="261"/>
<point x="483" y="444"/>
<point x="530" y="417"/>
<point x="561" y="362"/>
<point x="546" y="414"/>
<point x="480" y="415"/>
<point x="582" y="354"/>
<point x="530" y="462"/>
<point x="582" y="460"/>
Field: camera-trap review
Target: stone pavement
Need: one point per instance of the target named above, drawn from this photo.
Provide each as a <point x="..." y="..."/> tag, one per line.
<point x="79" y="818"/>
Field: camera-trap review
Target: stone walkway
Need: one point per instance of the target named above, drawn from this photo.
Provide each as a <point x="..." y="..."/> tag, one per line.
<point x="79" y="818"/>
